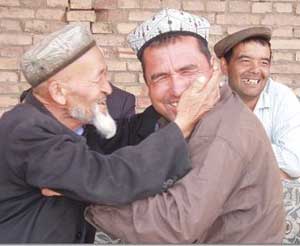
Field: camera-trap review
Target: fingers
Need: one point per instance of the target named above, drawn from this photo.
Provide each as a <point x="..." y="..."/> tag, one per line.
<point x="215" y="78"/>
<point x="49" y="192"/>
<point x="200" y="82"/>
<point x="208" y="85"/>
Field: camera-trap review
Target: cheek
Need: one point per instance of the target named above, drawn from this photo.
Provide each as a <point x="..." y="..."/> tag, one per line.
<point x="208" y="74"/>
<point x="88" y="94"/>
<point x="237" y="74"/>
<point x="266" y="71"/>
<point x="158" y="96"/>
<point x="157" y="93"/>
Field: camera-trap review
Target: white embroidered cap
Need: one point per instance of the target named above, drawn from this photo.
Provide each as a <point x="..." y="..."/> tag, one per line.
<point x="166" y="21"/>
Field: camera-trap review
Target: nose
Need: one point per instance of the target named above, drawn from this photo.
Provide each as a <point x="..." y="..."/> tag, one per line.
<point x="255" y="67"/>
<point x="178" y="85"/>
<point x="106" y="87"/>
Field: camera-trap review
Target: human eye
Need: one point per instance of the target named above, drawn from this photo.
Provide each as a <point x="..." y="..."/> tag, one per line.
<point x="101" y="75"/>
<point x="157" y="82"/>
<point x="159" y="79"/>
<point x="95" y="81"/>
<point x="265" y="62"/>
<point x="244" y="60"/>
<point x="188" y="72"/>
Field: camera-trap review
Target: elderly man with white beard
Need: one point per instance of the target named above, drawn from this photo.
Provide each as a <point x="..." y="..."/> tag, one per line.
<point x="42" y="146"/>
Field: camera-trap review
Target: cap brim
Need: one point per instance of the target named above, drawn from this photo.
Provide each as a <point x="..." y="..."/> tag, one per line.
<point x="227" y="43"/>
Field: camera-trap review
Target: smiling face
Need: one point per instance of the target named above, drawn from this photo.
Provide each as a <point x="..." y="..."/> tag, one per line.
<point x="248" y="70"/>
<point x="87" y="85"/>
<point x="85" y="90"/>
<point x="170" y="68"/>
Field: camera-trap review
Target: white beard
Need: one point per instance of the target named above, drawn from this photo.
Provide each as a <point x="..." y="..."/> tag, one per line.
<point x="103" y="122"/>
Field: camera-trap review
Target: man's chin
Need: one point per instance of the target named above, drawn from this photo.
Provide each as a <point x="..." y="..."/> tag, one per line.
<point x="170" y="116"/>
<point x="104" y="123"/>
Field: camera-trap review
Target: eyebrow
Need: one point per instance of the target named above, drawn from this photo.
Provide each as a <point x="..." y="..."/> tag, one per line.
<point x="157" y="75"/>
<point x="245" y="56"/>
<point x="188" y="67"/>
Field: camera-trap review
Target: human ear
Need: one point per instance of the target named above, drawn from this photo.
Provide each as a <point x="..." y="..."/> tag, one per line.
<point x="224" y="66"/>
<point x="57" y="92"/>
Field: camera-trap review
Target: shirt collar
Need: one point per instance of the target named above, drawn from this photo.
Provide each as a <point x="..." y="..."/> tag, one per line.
<point x="79" y="131"/>
<point x="264" y="100"/>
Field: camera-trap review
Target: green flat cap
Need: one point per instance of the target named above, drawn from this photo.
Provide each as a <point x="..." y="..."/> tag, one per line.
<point x="55" y="52"/>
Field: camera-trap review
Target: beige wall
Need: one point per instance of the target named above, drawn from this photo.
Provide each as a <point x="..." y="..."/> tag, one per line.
<point x="24" y="22"/>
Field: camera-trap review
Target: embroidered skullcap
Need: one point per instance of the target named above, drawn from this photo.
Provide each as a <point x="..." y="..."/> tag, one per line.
<point x="227" y="43"/>
<point x="167" y="21"/>
<point x="55" y="52"/>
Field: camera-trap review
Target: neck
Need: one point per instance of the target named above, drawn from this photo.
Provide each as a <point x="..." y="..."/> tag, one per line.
<point x="251" y="103"/>
<point x="59" y="112"/>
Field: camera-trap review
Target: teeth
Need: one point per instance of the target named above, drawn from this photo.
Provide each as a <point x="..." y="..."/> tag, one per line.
<point x="250" y="81"/>
<point x="174" y="104"/>
<point x="253" y="81"/>
<point x="101" y="103"/>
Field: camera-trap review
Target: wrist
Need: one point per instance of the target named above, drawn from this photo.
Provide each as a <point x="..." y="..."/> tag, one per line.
<point x="184" y="128"/>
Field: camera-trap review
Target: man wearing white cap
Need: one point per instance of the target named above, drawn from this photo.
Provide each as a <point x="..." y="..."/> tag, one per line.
<point x="233" y="193"/>
<point x="41" y="145"/>
<point x="246" y="60"/>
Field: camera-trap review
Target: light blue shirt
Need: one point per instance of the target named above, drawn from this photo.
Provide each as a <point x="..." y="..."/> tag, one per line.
<point x="279" y="111"/>
<point x="79" y="131"/>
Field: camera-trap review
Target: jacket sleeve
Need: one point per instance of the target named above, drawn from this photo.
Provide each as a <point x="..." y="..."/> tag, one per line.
<point x="57" y="161"/>
<point x="182" y="214"/>
<point x="286" y="135"/>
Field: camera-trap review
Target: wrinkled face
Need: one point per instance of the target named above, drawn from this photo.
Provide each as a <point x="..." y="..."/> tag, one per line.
<point x="248" y="69"/>
<point x="170" y="69"/>
<point x="86" y="91"/>
<point x="87" y="84"/>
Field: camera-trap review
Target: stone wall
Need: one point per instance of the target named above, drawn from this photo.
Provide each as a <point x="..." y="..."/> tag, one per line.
<point x="24" y="22"/>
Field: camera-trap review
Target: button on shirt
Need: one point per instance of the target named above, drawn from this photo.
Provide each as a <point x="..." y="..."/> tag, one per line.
<point x="279" y="111"/>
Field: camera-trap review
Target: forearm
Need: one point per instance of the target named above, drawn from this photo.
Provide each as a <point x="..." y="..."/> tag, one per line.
<point x="177" y="216"/>
<point x="288" y="159"/>
<point x="182" y="214"/>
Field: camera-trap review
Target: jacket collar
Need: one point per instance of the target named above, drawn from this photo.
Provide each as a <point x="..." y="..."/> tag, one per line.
<point x="32" y="100"/>
<point x="150" y="117"/>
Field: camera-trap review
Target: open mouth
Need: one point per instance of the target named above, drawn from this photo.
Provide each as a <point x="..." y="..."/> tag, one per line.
<point x="250" y="81"/>
<point x="101" y="102"/>
<point x="102" y="105"/>
<point x="174" y="104"/>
